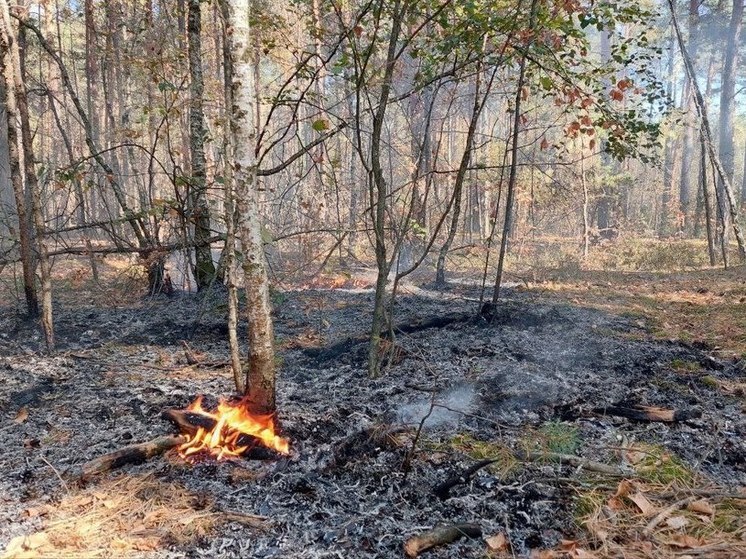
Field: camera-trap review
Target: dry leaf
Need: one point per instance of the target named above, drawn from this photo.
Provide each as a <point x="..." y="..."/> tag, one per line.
<point x="677" y="522"/>
<point x="702" y="506"/>
<point x="685" y="541"/>
<point x="646" y="507"/>
<point x="21" y="416"/>
<point x="498" y="542"/>
<point x="624" y="488"/>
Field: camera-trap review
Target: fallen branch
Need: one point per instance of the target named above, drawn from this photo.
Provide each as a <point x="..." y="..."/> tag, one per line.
<point x="577" y="461"/>
<point x="132" y="454"/>
<point x="649" y="413"/>
<point x="440" y="536"/>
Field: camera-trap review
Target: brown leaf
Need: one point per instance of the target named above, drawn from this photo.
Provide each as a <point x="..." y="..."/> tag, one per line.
<point x="703" y="506"/>
<point x="21" y="416"/>
<point x="624" y="488"/>
<point x="643" y="503"/>
<point x="685" y="541"/>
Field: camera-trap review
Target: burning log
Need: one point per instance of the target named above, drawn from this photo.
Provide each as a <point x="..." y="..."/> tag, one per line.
<point x="230" y="431"/>
<point x="440" y="536"/>
<point x="132" y="454"/>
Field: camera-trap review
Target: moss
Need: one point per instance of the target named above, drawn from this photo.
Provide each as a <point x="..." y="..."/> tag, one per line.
<point x="709" y="381"/>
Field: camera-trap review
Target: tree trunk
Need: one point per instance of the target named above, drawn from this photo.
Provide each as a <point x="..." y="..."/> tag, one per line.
<point x="478" y="105"/>
<point x="260" y="376"/>
<point x="726" y="149"/>
<point x="204" y="269"/>
<point x="9" y="69"/>
<point x="378" y="192"/>
<point x="18" y="53"/>
<point x="707" y="200"/>
<point x="729" y="204"/>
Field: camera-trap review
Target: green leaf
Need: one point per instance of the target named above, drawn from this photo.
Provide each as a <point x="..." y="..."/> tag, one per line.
<point x="546" y="82"/>
<point x="320" y="125"/>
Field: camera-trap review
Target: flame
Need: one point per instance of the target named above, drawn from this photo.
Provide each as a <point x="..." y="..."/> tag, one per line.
<point x="231" y="421"/>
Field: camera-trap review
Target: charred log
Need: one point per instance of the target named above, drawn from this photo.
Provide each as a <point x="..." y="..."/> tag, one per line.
<point x="648" y="413"/>
<point x="440" y="536"/>
<point x="132" y="454"/>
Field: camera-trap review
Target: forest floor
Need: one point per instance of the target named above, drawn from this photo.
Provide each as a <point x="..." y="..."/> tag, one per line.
<point x="532" y="390"/>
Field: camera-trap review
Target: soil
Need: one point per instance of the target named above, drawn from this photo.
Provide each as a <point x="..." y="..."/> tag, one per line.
<point x="540" y="362"/>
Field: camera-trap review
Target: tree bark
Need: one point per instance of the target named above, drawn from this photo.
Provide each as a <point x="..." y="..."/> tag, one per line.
<point x="204" y="269"/>
<point x="18" y="53"/>
<point x="378" y="190"/>
<point x="726" y="149"/>
<point x="260" y="376"/>
<point x="9" y="69"/>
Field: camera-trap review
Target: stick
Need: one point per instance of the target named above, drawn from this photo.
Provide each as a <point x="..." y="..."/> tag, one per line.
<point x="573" y="460"/>
<point x="440" y="536"/>
<point x="649" y="413"/>
<point x="665" y="513"/>
<point x="132" y="454"/>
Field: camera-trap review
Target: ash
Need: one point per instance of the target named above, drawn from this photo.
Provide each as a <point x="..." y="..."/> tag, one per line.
<point x="117" y="369"/>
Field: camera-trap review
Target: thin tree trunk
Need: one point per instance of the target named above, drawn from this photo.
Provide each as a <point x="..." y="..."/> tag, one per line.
<point x="18" y="53"/>
<point x="478" y="105"/>
<point x="378" y="190"/>
<point x="726" y="149"/>
<point x="204" y="269"/>
<point x="260" y="376"/>
<point x="507" y="224"/>
<point x="707" y="200"/>
<point x="229" y="261"/>
<point x="8" y="71"/>
<point x="729" y="204"/>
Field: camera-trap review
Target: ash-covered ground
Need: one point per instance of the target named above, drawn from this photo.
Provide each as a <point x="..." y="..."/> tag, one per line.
<point x="117" y="369"/>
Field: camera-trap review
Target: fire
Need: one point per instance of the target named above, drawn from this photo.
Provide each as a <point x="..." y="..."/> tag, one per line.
<point x="227" y="439"/>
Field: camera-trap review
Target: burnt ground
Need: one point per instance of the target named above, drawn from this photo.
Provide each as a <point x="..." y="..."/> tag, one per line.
<point x="540" y="363"/>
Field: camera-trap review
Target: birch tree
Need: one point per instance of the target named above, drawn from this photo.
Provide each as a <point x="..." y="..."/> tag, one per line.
<point x="260" y="374"/>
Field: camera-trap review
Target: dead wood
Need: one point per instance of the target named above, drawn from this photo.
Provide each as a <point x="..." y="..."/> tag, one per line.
<point x="665" y="513"/>
<point x="440" y="536"/>
<point x="132" y="454"/>
<point x="571" y="459"/>
<point x="649" y="413"/>
<point x="442" y="490"/>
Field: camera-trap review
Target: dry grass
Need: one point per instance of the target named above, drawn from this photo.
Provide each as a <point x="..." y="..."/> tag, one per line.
<point x="705" y="306"/>
<point x="128" y="517"/>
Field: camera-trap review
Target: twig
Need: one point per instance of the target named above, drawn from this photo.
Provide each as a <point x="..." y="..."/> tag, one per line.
<point x="573" y="460"/>
<point x="407" y="463"/>
<point x="59" y="477"/>
<point x="665" y="513"/>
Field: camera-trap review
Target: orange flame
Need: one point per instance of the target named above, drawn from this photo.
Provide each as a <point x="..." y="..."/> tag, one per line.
<point x="231" y="421"/>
